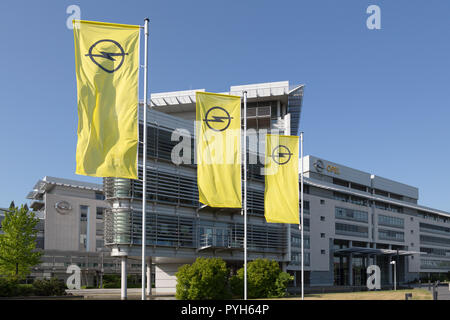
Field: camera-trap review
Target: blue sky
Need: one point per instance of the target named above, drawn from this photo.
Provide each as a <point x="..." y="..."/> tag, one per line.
<point x="375" y="100"/>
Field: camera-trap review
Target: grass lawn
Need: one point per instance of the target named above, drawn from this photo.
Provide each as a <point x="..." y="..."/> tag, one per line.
<point x="417" y="294"/>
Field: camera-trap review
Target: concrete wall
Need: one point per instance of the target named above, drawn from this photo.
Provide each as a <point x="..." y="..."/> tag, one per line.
<point x="62" y="231"/>
<point x="165" y="279"/>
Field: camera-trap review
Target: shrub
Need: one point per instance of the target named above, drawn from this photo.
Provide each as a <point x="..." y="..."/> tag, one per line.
<point x="111" y="281"/>
<point x="264" y="280"/>
<point x="206" y="278"/>
<point x="281" y="284"/>
<point x="8" y="287"/>
<point x="12" y="288"/>
<point x="24" y="290"/>
<point x="52" y="287"/>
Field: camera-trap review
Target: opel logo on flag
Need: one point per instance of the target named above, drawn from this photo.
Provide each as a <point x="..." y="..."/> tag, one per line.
<point x="281" y="154"/>
<point x="217" y="119"/>
<point x="107" y="54"/>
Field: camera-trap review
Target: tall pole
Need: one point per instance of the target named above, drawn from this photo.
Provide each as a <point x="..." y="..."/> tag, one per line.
<point x="123" y="278"/>
<point x="394" y="266"/>
<point x="301" y="210"/>
<point x="144" y="157"/>
<point x="395" y="275"/>
<point x="245" y="195"/>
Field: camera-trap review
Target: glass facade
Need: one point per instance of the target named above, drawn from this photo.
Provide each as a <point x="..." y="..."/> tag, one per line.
<point x="84" y="227"/>
<point x="350" y="214"/>
<point x="351" y="199"/>
<point x="296" y="258"/>
<point x="435" y="240"/>
<point x="435" y="264"/>
<point x="352" y="230"/>
<point x="296" y="241"/>
<point x="391" y="235"/>
<point x="436" y="251"/>
<point x="434" y="229"/>
<point x="390" y="221"/>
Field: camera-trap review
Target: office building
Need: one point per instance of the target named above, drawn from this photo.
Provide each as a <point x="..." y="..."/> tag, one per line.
<point x="352" y="218"/>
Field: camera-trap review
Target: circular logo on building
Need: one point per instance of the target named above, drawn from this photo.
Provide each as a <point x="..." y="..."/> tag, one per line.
<point x="319" y="165"/>
<point x="217" y="119"/>
<point x="63" y="207"/>
<point x="281" y="154"/>
<point x="107" y="54"/>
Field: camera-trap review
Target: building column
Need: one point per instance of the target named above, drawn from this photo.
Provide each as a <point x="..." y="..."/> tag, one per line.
<point x="123" y="279"/>
<point x="350" y="269"/>
<point x="405" y="268"/>
<point x="390" y="268"/>
<point x="149" y="277"/>
<point x="350" y="265"/>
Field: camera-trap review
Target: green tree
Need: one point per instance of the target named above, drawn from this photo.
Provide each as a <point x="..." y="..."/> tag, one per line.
<point x="264" y="280"/>
<point x="18" y="242"/>
<point x="206" y="278"/>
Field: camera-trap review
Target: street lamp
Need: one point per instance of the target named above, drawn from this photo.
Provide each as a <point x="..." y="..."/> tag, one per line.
<point x="395" y="274"/>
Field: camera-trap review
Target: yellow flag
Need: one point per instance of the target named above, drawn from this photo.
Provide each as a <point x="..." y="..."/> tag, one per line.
<point x="107" y="69"/>
<point x="219" y="149"/>
<point x="281" y="194"/>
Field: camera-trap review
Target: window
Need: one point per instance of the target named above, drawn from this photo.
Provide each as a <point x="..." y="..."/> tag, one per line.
<point x="395" y="208"/>
<point x="322" y="218"/>
<point x="381" y="205"/>
<point x="322" y="251"/>
<point x="358" y="187"/>
<point x="322" y="201"/>
<point x="99" y="196"/>
<point x="390" y="221"/>
<point x="296" y="258"/>
<point x="431" y="216"/>
<point x="391" y="235"/>
<point x="352" y="230"/>
<point x="99" y="243"/>
<point x="381" y="193"/>
<point x="434" y="264"/>
<point x="388" y="207"/>
<point x="359" y="201"/>
<point x="436" y="251"/>
<point x="434" y="229"/>
<point x="84" y="210"/>
<point x="99" y="213"/>
<point x="305" y="207"/>
<point x="306" y="223"/>
<point x="296" y="242"/>
<point x="322" y="235"/>
<point x="341" y="197"/>
<point x="84" y="227"/>
<point x="396" y="196"/>
<point x="435" y="240"/>
<point x="306" y="188"/>
<point x="350" y="214"/>
<point x="340" y="182"/>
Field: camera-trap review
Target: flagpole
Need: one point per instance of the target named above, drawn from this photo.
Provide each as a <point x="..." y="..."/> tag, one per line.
<point x="245" y="195"/>
<point x="144" y="157"/>
<point x="301" y="209"/>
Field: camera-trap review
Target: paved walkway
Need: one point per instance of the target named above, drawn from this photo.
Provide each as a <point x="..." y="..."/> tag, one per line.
<point x="114" y="294"/>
